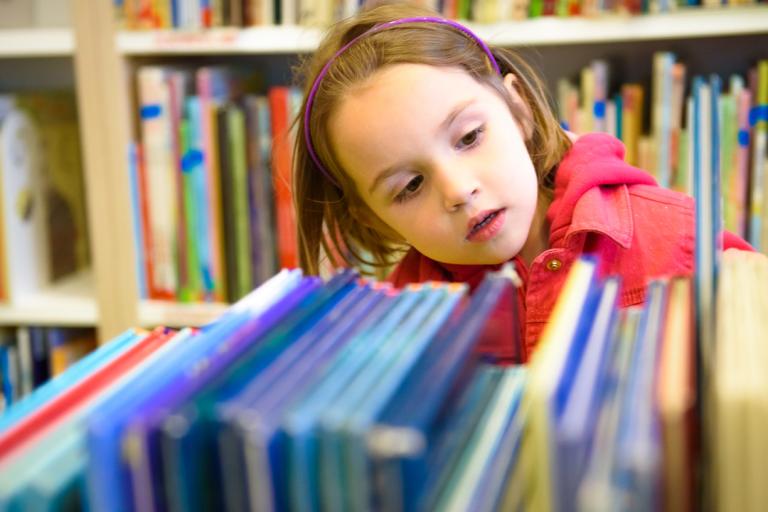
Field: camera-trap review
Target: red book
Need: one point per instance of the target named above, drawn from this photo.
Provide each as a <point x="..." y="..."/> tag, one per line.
<point x="282" y="149"/>
<point x="49" y="415"/>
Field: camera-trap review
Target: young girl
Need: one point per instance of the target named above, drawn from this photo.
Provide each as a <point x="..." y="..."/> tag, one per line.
<point x="420" y="144"/>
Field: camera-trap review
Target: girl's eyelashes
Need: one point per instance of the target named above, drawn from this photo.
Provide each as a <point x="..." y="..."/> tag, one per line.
<point x="470" y="138"/>
<point x="410" y="190"/>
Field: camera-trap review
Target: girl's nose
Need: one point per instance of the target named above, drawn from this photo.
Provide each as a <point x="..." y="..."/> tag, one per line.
<point x="458" y="188"/>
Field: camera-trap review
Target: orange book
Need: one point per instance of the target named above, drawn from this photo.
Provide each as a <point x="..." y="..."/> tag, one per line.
<point x="49" y="415"/>
<point x="287" y="246"/>
<point x="676" y="398"/>
<point x="632" y="120"/>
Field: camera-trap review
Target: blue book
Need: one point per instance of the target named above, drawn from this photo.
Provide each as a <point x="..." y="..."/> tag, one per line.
<point x="250" y="421"/>
<point x="147" y="477"/>
<point x="577" y="421"/>
<point x="638" y="450"/>
<point x="52" y="470"/>
<point x="596" y="490"/>
<point x="188" y="433"/>
<point x="365" y="408"/>
<point x="301" y="423"/>
<point x="71" y="376"/>
<point x="433" y="387"/>
<point x="107" y="471"/>
<point x="465" y="490"/>
<point x="138" y="229"/>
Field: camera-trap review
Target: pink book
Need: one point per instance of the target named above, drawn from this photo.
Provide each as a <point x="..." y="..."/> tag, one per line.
<point x="212" y="88"/>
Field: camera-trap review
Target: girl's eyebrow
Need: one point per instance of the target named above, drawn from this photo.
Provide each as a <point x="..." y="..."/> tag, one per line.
<point x="458" y="109"/>
<point x="452" y="115"/>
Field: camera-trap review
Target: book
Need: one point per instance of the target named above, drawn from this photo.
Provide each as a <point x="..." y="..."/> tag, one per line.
<point x="737" y="385"/>
<point x="162" y="194"/>
<point x="109" y="472"/>
<point x="23" y="202"/>
<point x="280" y="112"/>
<point x="677" y="399"/>
<point x="70" y="377"/>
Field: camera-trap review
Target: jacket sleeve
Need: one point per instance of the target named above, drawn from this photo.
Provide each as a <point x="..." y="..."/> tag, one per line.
<point x="732" y="241"/>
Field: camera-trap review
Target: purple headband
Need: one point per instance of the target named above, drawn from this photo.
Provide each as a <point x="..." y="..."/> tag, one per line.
<point x="373" y="30"/>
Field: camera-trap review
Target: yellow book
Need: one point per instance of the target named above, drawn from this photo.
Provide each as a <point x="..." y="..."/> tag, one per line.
<point x="545" y="369"/>
<point x="676" y="397"/>
<point x="631" y="120"/>
<point x="738" y="385"/>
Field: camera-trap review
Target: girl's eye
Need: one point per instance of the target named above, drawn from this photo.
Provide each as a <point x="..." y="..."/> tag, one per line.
<point x="470" y="138"/>
<point x="410" y="190"/>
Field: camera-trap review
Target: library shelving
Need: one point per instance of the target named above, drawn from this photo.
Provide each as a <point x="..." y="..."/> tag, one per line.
<point x="34" y="59"/>
<point x="710" y="40"/>
<point x="158" y="312"/>
<point x="543" y="31"/>
<point x="36" y="42"/>
<point x="68" y="302"/>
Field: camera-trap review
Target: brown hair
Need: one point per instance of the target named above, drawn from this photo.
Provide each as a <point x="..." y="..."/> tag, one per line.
<point x="329" y="216"/>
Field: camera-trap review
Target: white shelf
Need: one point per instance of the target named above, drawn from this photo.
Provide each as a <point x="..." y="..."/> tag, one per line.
<point x="69" y="302"/>
<point x="265" y="40"/>
<point x="37" y="42"/>
<point x="685" y="23"/>
<point x="156" y="312"/>
<point x="681" y="24"/>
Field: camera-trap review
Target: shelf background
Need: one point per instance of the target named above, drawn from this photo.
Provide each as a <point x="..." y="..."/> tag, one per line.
<point x="69" y="302"/>
<point x="172" y="314"/>
<point x="544" y="31"/>
<point x="98" y="61"/>
<point x="36" y="42"/>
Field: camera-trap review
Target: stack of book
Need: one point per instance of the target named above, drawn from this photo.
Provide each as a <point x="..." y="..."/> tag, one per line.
<point x="210" y="175"/>
<point x="196" y="14"/>
<point x="735" y="113"/>
<point x="347" y="394"/>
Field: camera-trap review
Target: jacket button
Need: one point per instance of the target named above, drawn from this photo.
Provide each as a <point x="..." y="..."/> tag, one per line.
<point x="554" y="264"/>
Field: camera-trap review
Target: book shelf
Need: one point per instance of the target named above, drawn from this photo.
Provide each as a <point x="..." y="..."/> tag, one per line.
<point x="105" y="57"/>
<point x="68" y="302"/>
<point x="545" y="31"/>
<point x="41" y="59"/>
<point x="158" y="312"/>
<point x="36" y="42"/>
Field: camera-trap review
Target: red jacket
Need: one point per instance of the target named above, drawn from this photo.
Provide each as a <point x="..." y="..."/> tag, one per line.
<point x="602" y="206"/>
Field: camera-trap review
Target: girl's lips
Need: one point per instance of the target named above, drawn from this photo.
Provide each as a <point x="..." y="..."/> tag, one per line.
<point x="486" y="225"/>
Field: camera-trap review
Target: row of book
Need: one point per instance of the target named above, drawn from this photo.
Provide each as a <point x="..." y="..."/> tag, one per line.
<point x="31" y="355"/>
<point x="350" y="395"/>
<point x="664" y="147"/>
<point x="43" y="225"/>
<point x="211" y="183"/>
<point x="196" y="14"/>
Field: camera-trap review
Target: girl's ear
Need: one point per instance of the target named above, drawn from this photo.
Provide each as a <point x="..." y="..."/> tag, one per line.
<point x="510" y="84"/>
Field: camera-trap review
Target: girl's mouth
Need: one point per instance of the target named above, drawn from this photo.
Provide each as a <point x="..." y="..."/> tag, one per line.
<point x="485" y="225"/>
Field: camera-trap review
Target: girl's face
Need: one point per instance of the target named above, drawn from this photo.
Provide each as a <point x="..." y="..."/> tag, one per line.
<point x="441" y="160"/>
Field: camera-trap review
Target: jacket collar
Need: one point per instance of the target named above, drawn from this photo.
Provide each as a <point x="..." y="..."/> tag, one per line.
<point x="603" y="210"/>
<point x="591" y="191"/>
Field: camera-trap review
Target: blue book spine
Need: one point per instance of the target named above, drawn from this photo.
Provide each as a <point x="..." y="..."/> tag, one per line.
<point x="138" y="231"/>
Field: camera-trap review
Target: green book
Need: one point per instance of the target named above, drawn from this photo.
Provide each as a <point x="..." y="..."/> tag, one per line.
<point x="191" y="161"/>
<point x="729" y="130"/>
<point x="242" y="218"/>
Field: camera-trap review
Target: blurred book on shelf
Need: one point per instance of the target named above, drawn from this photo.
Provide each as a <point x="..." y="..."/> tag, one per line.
<point x="43" y="231"/>
<point x="210" y="174"/>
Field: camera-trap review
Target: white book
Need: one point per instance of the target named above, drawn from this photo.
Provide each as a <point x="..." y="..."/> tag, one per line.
<point x="23" y="205"/>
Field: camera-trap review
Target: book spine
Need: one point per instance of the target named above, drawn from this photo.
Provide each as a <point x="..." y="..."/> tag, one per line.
<point x="241" y="220"/>
<point x="281" y="175"/>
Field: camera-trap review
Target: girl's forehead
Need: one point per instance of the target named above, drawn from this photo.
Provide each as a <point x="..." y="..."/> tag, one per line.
<point x="415" y="86"/>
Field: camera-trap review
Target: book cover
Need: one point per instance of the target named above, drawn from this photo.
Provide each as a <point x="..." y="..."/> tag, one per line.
<point x="162" y="194"/>
<point x="281" y="176"/>
<point x="24" y="207"/>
